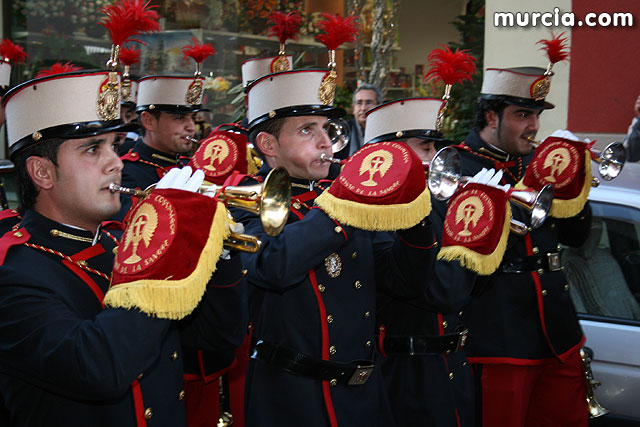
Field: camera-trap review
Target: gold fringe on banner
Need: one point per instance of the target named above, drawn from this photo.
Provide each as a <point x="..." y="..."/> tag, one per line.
<point x="376" y="217"/>
<point x="253" y="162"/>
<point x="175" y="299"/>
<point x="484" y="265"/>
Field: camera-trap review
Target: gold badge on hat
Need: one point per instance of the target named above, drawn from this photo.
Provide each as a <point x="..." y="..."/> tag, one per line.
<point x="285" y="27"/>
<point x="337" y="30"/>
<point x="556" y="50"/>
<point x="333" y="264"/>
<point x="198" y="52"/>
<point x="124" y="19"/>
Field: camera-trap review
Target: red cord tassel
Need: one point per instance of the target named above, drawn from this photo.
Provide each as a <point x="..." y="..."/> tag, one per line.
<point x="199" y="52"/>
<point x="450" y="67"/>
<point x="12" y="52"/>
<point x="129" y="18"/>
<point x="556" y="48"/>
<point x="337" y="30"/>
<point x="58" y="68"/>
<point x="284" y="26"/>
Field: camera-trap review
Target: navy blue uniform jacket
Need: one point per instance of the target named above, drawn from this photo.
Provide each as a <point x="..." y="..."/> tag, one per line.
<point x="65" y="360"/>
<point x="298" y="304"/>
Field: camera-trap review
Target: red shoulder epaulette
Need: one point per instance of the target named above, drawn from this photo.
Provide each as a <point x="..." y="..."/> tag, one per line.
<point x="131" y="156"/>
<point x="12" y="238"/>
<point x="9" y="213"/>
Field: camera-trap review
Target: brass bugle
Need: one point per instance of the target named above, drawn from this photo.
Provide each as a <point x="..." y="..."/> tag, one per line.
<point x="242" y="242"/>
<point x="595" y="408"/>
<point x="326" y="158"/>
<point x="610" y="161"/>
<point x="445" y="177"/>
<point x="192" y="139"/>
<point x="270" y="200"/>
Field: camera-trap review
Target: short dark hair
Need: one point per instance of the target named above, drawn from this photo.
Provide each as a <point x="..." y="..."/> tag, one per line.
<point x="482" y="106"/>
<point x="154" y="113"/>
<point x="27" y="191"/>
<point x="369" y="86"/>
<point x="273" y="127"/>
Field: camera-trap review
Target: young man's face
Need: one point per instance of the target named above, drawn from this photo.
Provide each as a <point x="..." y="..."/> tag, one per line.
<point x="364" y="101"/>
<point x="169" y="132"/>
<point x="128" y="114"/>
<point x="301" y="142"/>
<point x="79" y="187"/>
<point x="423" y="148"/>
<point x="511" y="132"/>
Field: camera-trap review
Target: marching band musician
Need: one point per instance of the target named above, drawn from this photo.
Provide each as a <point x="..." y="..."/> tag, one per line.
<point x="167" y="106"/>
<point x="95" y="334"/>
<point x="524" y="336"/>
<point x="425" y="370"/>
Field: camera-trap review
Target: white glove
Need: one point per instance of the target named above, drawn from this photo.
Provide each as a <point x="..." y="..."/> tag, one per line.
<point x="563" y="133"/>
<point x="181" y="179"/>
<point x="489" y="177"/>
<point x="237" y="228"/>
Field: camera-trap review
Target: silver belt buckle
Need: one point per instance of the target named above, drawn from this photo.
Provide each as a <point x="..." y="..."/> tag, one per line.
<point x="462" y="339"/>
<point x="360" y="375"/>
<point x="553" y="261"/>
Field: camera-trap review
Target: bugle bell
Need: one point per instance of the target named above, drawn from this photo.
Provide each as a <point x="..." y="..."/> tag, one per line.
<point x="445" y="176"/>
<point x="595" y="409"/>
<point x="610" y="161"/>
<point x="338" y="132"/>
<point x="270" y="200"/>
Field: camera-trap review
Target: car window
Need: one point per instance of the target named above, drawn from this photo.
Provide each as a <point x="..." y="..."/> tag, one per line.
<point x="604" y="273"/>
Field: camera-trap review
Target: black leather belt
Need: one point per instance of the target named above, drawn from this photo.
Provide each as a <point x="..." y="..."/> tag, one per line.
<point x="546" y="262"/>
<point x="425" y="345"/>
<point x="354" y="373"/>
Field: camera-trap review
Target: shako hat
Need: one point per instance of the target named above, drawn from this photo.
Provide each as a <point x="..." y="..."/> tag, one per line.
<point x="403" y="118"/>
<point x="63" y="106"/>
<point x="525" y="86"/>
<point x="286" y="94"/>
<point x="9" y="53"/>
<point x="176" y="93"/>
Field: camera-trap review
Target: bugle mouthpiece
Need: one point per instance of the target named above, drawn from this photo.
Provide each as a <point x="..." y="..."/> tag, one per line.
<point x="115" y="188"/>
<point x="326" y="158"/>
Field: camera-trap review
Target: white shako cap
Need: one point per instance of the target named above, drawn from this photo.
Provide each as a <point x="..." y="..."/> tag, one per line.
<point x="58" y="106"/>
<point x="253" y="69"/>
<point x="286" y="94"/>
<point x="167" y="93"/>
<point x="5" y="74"/>
<point x="516" y="86"/>
<point x="403" y="118"/>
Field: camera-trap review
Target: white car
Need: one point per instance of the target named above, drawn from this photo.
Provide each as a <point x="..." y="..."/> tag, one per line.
<point x="604" y="275"/>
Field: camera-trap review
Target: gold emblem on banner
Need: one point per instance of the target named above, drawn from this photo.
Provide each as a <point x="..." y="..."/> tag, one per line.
<point x="142" y="227"/>
<point x="333" y="264"/>
<point x="377" y="162"/>
<point x="327" y="89"/>
<point x="557" y="161"/>
<point x="194" y="93"/>
<point x="108" y="107"/>
<point x="469" y="212"/>
<point x="216" y="150"/>
<point x="540" y="88"/>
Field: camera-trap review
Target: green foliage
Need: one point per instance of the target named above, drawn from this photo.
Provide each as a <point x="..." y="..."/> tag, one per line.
<point x="343" y="98"/>
<point x="459" y="117"/>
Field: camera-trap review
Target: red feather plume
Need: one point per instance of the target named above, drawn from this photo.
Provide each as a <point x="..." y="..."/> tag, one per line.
<point x="129" y="18"/>
<point x="556" y="48"/>
<point x="13" y="52"/>
<point x="129" y="56"/>
<point x="58" y="68"/>
<point x="450" y="67"/>
<point x="337" y="30"/>
<point x="199" y="52"/>
<point x="284" y="26"/>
